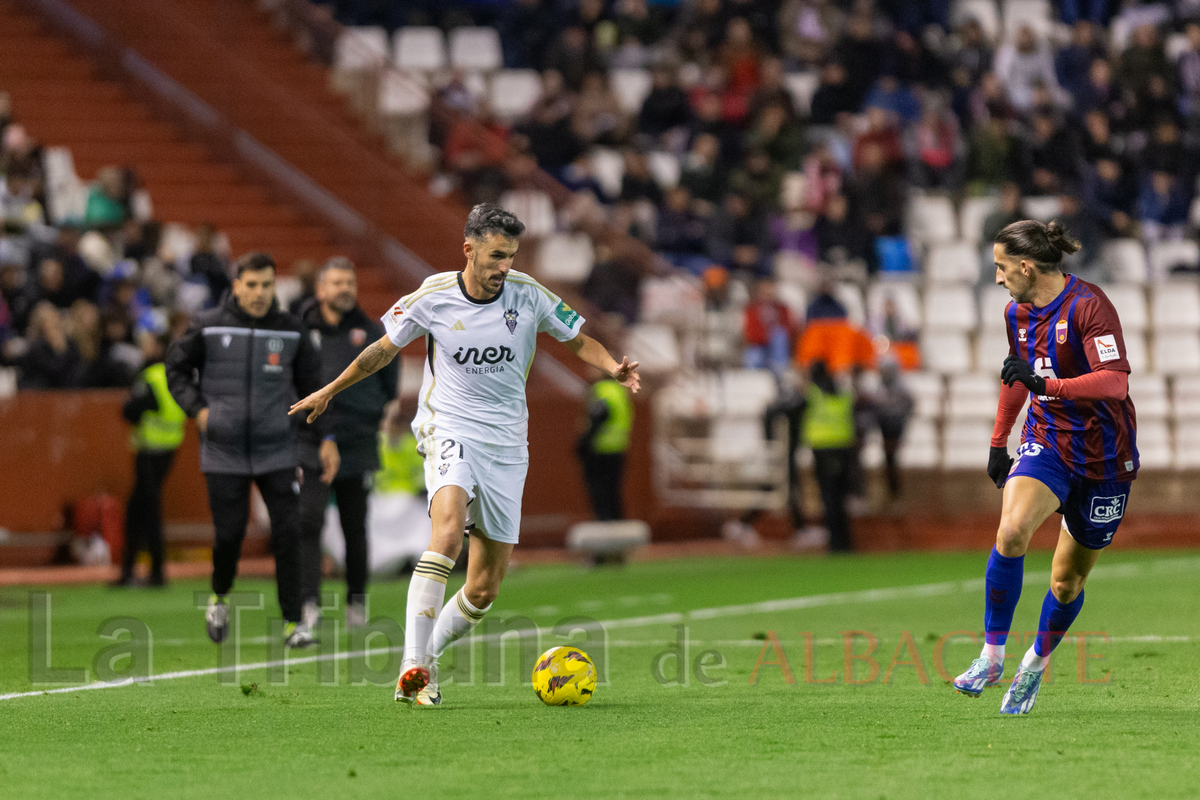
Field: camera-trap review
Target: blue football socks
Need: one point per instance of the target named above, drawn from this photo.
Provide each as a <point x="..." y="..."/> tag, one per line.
<point x="1055" y="620"/>
<point x="1002" y="584"/>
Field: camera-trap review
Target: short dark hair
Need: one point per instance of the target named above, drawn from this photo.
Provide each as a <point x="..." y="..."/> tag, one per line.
<point x="1043" y="244"/>
<point x="337" y="262"/>
<point x="253" y="262"/>
<point x="486" y="219"/>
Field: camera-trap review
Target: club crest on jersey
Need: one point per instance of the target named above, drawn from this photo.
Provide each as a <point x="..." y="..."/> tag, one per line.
<point x="443" y="469"/>
<point x="1021" y="334"/>
<point x="358" y="337"/>
<point x="1060" y="332"/>
<point x="510" y="319"/>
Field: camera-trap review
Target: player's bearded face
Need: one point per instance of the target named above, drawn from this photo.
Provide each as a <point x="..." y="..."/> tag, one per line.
<point x="491" y="259"/>
<point x="1010" y="275"/>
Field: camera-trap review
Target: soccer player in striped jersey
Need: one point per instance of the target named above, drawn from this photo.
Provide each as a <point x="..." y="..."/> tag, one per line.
<point x="1078" y="453"/>
<point x="480" y="327"/>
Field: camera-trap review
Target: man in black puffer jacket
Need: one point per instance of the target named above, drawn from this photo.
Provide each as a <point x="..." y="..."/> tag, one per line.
<point x="237" y="370"/>
<point x="339" y="330"/>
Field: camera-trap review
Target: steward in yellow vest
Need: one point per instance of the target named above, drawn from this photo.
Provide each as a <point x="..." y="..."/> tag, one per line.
<point x="828" y="428"/>
<point x="157" y="434"/>
<point x="602" y="448"/>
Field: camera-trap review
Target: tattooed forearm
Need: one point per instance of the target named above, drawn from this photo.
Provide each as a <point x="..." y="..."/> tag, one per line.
<point x="373" y="359"/>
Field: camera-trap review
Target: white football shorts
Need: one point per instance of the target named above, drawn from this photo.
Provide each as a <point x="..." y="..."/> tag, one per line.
<point x="493" y="477"/>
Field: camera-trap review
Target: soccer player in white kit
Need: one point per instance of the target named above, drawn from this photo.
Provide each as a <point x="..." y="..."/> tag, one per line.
<point x="480" y="327"/>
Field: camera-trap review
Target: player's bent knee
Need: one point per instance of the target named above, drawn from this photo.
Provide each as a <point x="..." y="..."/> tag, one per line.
<point x="1066" y="590"/>
<point x="481" y="596"/>
<point x="1012" y="540"/>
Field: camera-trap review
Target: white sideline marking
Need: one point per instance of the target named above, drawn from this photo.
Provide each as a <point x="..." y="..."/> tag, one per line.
<point x="1166" y="566"/>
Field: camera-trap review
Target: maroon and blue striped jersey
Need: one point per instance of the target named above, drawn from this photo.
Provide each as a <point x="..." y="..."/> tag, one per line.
<point x="1075" y="335"/>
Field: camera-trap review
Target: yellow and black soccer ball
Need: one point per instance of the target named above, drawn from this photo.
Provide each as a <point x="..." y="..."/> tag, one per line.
<point x="564" y="676"/>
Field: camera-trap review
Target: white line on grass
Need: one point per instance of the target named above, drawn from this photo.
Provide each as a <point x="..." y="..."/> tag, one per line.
<point x="1167" y="566"/>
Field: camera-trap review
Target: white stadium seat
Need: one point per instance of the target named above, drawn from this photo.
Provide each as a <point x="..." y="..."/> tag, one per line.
<point x="513" y="92"/>
<point x="902" y="293"/>
<point x="965" y="444"/>
<point x="608" y="166"/>
<point x="1042" y="208"/>
<point x="565" y="257"/>
<point x="973" y="396"/>
<point x="1130" y="302"/>
<point x="665" y="168"/>
<point x="983" y="11"/>
<point x="919" y="447"/>
<point x="1154" y="444"/>
<point x="400" y="95"/>
<point x="945" y="352"/>
<point x="476" y="49"/>
<point x="1187" y="444"/>
<point x="792" y="295"/>
<point x="1125" y="260"/>
<point x="993" y="300"/>
<point x="950" y="308"/>
<point x="973" y="214"/>
<point x="928" y="390"/>
<point x="952" y="262"/>
<point x="1037" y="14"/>
<point x="1175" y="306"/>
<point x="1177" y="353"/>
<point x="360" y="48"/>
<point x="931" y="218"/>
<point x="631" y="87"/>
<point x="991" y="348"/>
<point x="1166" y="255"/>
<point x="802" y="86"/>
<point x="654" y="346"/>
<point x="1149" y="395"/>
<point x="533" y="207"/>
<point x="1135" y="352"/>
<point x="851" y="297"/>
<point x="419" y="48"/>
<point x="748" y="392"/>
<point x="1185" y="397"/>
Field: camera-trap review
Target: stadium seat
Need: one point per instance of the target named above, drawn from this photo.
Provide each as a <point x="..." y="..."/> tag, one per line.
<point x="973" y="396"/>
<point x="1166" y="255"/>
<point x="952" y="262"/>
<point x="1185" y="397"/>
<point x="739" y="442"/>
<point x="983" y="11"/>
<point x="1042" y="208"/>
<point x="476" y="49"/>
<point x="950" y="308"/>
<point x="1135" y="352"/>
<point x="1187" y="445"/>
<point x="400" y="95"/>
<point x="665" y="168"/>
<point x="631" y="87"/>
<point x="675" y="299"/>
<point x="802" y="86"/>
<point x="747" y="392"/>
<point x="360" y="48"/>
<point x="1149" y="395"/>
<point x="993" y="300"/>
<point x="1037" y="14"/>
<point x="608" y="166"/>
<point x="533" y="207"/>
<point x="655" y="347"/>
<point x="1125" y="260"/>
<point x="1130" y="302"/>
<point x="871" y="456"/>
<point x="945" y="352"/>
<point x="512" y="92"/>
<point x="971" y="216"/>
<point x="1177" y="353"/>
<point x="902" y="293"/>
<point x="419" y="48"/>
<point x="928" y="391"/>
<point x="919" y="447"/>
<point x="565" y="257"/>
<point x="1154" y="444"/>
<point x="965" y="444"/>
<point x="931" y="219"/>
<point x="792" y="295"/>
<point x="991" y="348"/>
<point x="851" y="297"/>
<point x="1175" y="306"/>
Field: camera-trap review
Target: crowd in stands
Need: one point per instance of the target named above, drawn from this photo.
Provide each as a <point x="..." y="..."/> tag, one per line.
<point x="79" y="296"/>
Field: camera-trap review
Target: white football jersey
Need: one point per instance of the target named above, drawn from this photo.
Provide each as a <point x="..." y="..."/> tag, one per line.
<point x="479" y="354"/>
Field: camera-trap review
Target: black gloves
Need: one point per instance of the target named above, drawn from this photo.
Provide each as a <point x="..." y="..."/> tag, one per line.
<point x="1017" y="369"/>
<point x="998" y="466"/>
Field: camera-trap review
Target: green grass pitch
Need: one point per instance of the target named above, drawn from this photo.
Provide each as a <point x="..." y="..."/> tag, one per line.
<point x="900" y="732"/>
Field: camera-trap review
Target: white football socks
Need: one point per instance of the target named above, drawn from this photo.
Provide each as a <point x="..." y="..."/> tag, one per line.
<point x="425" y="595"/>
<point x="456" y="621"/>
<point x="1033" y="661"/>
<point x="994" y="653"/>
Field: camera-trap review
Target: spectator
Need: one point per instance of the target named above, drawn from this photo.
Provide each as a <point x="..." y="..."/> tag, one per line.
<point x="598" y="117"/>
<point x="994" y="155"/>
<point x="547" y="132"/>
<point x="475" y="151"/>
<point x="613" y="286"/>
<point x="824" y="304"/>
<point x="771" y="91"/>
<point x="892" y="405"/>
<point x="1143" y="60"/>
<point x="208" y="265"/>
<point x="638" y="184"/>
<point x="702" y="173"/>
<point x="1189" y="72"/>
<point x="51" y="360"/>
<point x="572" y="56"/>
<point x="760" y="179"/>
<point x="1025" y="64"/>
<point x="777" y="134"/>
<point x="881" y="133"/>
<point x="839" y="238"/>
<point x="1163" y="206"/>
<point x="1109" y="196"/>
<point x="680" y="232"/>
<point x="117" y="361"/>
<point x="1166" y="151"/>
<point x="1053" y="156"/>
<point x="1085" y="262"/>
<point x="739" y="239"/>
<point x="708" y="118"/>
<point x="809" y="28"/>
<point x="877" y="197"/>
<point x="834" y="95"/>
<point x="22" y="161"/>
<point x="1097" y="141"/>
<point x="767" y="330"/>
<point x="861" y="52"/>
<point x="665" y="108"/>
<point x="526" y="28"/>
<point x="107" y="200"/>
<point x="822" y="178"/>
<point x="739" y="56"/>
<point x="83" y="326"/>
<point x="1101" y="92"/>
<point x="971" y="53"/>
<point x="51" y="287"/>
<point x="934" y="149"/>
<point x="1073" y="63"/>
<point x="304" y="270"/>
<point x="1008" y="212"/>
<point x="635" y="20"/>
<point x="894" y="97"/>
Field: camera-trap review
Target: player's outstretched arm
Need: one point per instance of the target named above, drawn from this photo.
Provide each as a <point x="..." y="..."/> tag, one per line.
<point x="372" y="359"/>
<point x="594" y="353"/>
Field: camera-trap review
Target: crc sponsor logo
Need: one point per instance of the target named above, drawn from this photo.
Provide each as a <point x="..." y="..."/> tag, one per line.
<point x="489" y="355"/>
<point x="1107" y="509"/>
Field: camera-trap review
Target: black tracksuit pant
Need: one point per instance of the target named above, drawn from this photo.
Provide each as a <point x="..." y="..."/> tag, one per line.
<point x="143" y="512"/>
<point x="350" y="493"/>
<point x="834" y="474"/>
<point x="603" y="473"/>
<point x="229" y="499"/>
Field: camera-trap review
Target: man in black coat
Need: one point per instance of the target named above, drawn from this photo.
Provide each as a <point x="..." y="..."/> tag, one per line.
<point x="338" y="331"/>
<point x="237" y="370"/>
